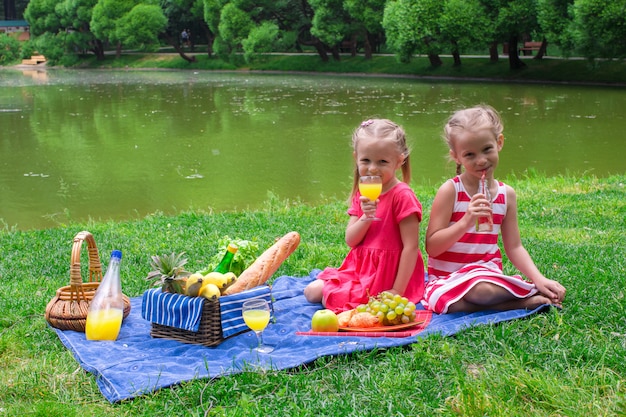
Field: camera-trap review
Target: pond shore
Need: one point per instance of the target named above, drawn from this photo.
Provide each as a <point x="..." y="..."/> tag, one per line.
<point x="552" y="70"/>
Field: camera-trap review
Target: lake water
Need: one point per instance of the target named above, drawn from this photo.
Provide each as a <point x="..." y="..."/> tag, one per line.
<point x="80" y="144"/>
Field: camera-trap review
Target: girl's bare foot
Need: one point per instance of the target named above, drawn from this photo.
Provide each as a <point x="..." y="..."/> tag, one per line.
<point x="529" y="303"/>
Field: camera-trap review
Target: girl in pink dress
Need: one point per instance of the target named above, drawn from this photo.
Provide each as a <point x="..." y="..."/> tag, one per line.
<point x="384" y="254"/>
<point x="465" y="265"/>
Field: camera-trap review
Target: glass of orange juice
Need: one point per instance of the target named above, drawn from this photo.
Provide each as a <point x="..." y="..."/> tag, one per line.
<point x="371" y="186"/>
<point x="256" y="314"/>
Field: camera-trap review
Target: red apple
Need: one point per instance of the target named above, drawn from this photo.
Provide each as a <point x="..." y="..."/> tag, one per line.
<point x="324" y="321"/>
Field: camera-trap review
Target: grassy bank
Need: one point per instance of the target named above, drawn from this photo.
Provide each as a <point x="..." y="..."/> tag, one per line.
<point x="566" y="363"/>
<point x="545" y="70"/>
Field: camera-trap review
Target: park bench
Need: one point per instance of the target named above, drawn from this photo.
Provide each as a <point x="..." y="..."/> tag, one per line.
<point x="530" y="47"/>
<point x="34" y="60"/>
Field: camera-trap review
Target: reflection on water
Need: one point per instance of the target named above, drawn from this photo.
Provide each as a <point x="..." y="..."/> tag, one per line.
<point x="121" y="144"/>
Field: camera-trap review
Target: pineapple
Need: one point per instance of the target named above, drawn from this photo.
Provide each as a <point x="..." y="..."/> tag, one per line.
<point x="169" y="272"/>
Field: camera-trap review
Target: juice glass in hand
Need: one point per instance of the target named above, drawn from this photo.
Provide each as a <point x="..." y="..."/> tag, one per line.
<point x="371" y="186"/>
<point x="256" y="314"/>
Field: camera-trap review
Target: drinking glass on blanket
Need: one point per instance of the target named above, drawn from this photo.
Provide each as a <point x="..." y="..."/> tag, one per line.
<point x="371" y="186"/>
<point x="256" y="314"/>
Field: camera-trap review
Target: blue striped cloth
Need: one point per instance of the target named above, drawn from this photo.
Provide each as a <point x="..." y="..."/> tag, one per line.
<point x="180" y="311"/>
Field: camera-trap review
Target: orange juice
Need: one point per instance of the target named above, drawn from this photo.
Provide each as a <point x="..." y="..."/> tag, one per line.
<point x="257" y="320"/>
<point x="371" y="191"/>
<point x="104" y="324"/>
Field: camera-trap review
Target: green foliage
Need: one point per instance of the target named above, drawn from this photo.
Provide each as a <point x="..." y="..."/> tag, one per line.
<point x="105" y="16"/>
<point x="141" y="26"/>
<point x="330" y="21"/>
<point x="9" y="49"/>
<point x="28" y="49"/>
<point x="52" y="46"/>
<point x="260" y="39"/>
<point x="247" y="252"/>
<point x="235" y="25"/>
<point x="464" y="24"/>
<point x="599" y="29"/>
<point x="402" y="35"/>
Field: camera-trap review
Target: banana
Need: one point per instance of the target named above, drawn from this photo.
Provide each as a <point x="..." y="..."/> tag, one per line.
<point x="216" y="278"/>
<point x="194" y="284"/>
<point x="209" y="291"/>
<point x="230" y="279"/>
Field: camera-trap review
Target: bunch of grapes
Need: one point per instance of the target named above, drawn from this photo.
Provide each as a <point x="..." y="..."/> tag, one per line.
<point x="390" y="309"/>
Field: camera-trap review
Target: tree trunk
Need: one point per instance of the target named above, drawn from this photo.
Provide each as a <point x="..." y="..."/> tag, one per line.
<point x="435" y="60"/>
<point x="335" y="52"/>
<point x="457" y="58"/>
<point x="514" y="61"/>
<point x="98" y="50"/>
<point x="493" y="52"/>
<point x="118" y="50"/>
<point x="210" y="39"/>
<point x="353" y="45"/>
<point x="173" y="41"/>
<point x="321" y="50"/>
<point x="367" y="46"/>
<point x="314" y="42"/>
<point x="543" y="49"/>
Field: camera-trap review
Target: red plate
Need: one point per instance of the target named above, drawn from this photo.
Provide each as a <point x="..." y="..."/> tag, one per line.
<point x="382" y="328"/>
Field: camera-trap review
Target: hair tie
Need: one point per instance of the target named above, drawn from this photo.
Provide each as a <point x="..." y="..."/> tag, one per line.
<point x="367" y="123"/>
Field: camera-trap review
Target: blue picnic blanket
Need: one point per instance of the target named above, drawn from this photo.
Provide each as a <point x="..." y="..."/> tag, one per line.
<point x="137" y="364"/>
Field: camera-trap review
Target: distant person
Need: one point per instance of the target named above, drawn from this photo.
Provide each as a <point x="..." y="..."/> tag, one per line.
<point x="384" y="254"/>
<point x="184" y="36"/>
<point x="464" y="263"/>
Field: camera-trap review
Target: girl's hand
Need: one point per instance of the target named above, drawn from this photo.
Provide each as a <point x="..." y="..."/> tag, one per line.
<point x="368" y="206"/>
<point x="552" y="290"/>
<point x="478" y="206"/>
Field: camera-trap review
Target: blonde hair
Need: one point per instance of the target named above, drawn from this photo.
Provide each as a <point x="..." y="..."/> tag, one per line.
<point x="474" y="119"/>
<point x="382" y="130"/>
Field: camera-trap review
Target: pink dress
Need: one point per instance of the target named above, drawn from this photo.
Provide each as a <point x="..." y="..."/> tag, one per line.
<point x="474" y="258"/>
<point x="371" y="266"/>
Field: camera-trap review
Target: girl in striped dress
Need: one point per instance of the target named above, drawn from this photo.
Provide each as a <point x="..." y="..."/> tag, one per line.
<point x="464" y="265"/>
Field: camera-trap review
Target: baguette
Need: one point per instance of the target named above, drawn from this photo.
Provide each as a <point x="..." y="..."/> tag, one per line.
<point x="265" y="265"/>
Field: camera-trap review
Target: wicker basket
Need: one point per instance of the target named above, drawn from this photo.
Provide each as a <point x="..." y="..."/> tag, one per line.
<point x="219" y="320"/>
<point x="69" y="307"/>
<point x="209" y="333"/>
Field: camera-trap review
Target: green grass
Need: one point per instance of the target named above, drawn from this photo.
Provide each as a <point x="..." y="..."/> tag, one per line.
<point x="562" y="363"/>
<point x="545" y="70"/>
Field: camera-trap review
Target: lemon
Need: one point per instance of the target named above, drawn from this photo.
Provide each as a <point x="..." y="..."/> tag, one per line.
<point x="209" y="291"/>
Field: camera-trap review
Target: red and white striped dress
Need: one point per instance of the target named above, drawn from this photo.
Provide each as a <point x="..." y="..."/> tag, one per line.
<point x="474" y="258"/>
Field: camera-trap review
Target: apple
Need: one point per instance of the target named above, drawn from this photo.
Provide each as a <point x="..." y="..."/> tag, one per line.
<point x="324" y="321"/>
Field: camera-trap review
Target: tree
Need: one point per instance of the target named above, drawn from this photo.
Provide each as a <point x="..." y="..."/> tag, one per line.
<point x="140" y="27"/>
<point x="330" y="24"/>
<point x="366" y="21"/>
<point x="234" y="26"/>
<point x="413" y="27"/>
<point x="598" y="28"/>
<point x="185" y="15"/>
<point x="260" y="39"/>
<point x="464" y="24"/>
<point x="105" y="20"/>
<point x="554" y="19"/>
<point x="65" y="24"/>
<point x="516" y="18"/>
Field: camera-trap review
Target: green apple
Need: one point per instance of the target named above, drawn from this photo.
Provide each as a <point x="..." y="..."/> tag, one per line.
<point x="324" y="321"/>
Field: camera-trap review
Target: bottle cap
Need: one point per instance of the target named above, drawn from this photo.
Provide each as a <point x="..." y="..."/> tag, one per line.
<point x="232" y="248"/>
<point x="116" y="254"/>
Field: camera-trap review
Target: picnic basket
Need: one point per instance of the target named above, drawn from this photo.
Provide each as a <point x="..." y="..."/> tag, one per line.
<point x="219" y="319"/>
<point x="68" y="309"/>
<point x="209" y="332"/>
